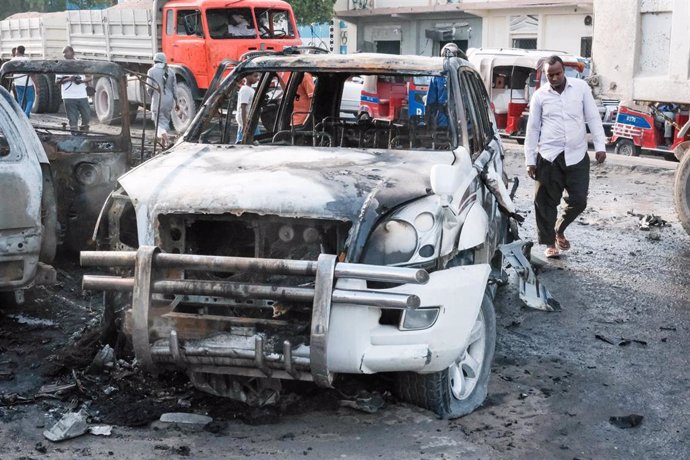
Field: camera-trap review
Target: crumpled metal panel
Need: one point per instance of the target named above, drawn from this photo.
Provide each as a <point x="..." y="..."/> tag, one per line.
<point x="326" y="183"/>
<point x="21" y="185"/>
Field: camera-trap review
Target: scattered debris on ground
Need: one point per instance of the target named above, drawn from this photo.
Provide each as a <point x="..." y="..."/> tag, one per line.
<point x="71" y="425"/>
<point x="622" y="342"/>
<point x="646" y="221"/>
<point x="365" y="401"/>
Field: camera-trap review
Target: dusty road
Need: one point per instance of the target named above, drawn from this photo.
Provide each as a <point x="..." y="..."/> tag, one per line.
<point x="553" y="387"/>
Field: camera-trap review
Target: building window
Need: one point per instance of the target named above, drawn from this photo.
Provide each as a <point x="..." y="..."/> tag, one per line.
<point x="525" y="43"/>
<point x="388" y="46"/>
<point x="586" y="47"/>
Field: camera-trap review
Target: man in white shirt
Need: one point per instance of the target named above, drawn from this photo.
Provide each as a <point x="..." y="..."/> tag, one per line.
<point x="556" y="152"/>
<point x="240" y="27"/>
<point x="23" y="84"/>
<point x="73" y="90"/>
<point x="244" y="102"/>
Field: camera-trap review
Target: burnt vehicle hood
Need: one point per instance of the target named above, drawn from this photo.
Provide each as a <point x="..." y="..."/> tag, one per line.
<point x="321" y="183"/>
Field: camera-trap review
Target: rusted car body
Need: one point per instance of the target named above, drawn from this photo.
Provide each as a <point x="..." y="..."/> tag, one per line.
<point x="319" y="245"/>
<point x="85" y="165"/>
<point x="26" y="196"/>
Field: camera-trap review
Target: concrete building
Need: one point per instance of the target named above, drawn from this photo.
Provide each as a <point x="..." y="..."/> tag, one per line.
<point x="422" y="27"/>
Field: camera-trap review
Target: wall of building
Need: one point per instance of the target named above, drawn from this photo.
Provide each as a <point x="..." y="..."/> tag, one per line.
<point x="565" y="31"/>
<point x="558" y="29"/>
<point x="411" y="33"/>
<point x="553" y="27"/>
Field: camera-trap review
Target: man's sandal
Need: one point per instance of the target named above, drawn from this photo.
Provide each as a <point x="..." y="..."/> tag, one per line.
<point x="552" y="253"/>
<point x="562" y="243"/>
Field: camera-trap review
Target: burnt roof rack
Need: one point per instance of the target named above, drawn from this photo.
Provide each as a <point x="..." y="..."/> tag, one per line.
<point x="290" y="50"/>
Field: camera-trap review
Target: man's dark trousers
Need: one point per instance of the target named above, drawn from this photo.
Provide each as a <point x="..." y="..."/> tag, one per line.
<point x="552" y="179"/>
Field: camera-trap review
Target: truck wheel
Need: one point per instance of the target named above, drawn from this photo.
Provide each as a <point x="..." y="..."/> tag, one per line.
<point x="55" y="95"/>
<point x="461" y="388"/>
<point x="185" y="99"/>
<point x="49" y="239"/>
<point x="681" y="192"/>
<point x="42" y="89"/>
<point x="106" y="103"/>
<point x="627" y="147"/>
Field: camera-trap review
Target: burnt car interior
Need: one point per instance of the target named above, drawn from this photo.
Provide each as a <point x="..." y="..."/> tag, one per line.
<point x="284" y="112"/>
<point x="53" y="128"/>
<point x="85" y="160"/>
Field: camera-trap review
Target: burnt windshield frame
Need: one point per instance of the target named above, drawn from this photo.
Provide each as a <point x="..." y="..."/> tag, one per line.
<point x="247" y="67"/>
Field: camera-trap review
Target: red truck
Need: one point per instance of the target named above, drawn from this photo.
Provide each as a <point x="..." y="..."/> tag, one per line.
<point x="195" y="35"/>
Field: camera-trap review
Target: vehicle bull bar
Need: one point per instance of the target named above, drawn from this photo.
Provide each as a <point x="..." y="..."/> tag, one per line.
<point x="148" y="263"/>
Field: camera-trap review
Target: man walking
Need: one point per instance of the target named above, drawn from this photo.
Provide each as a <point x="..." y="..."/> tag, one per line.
<point x="556" y="152"/>
<point x="163" y="93"/>
<point x="23" y="84"/>
<point x="74" y="95"/>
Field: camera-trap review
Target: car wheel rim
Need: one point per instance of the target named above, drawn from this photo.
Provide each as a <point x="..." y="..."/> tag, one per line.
<point x="626" y="149"/>
<point x="464" y="373"/>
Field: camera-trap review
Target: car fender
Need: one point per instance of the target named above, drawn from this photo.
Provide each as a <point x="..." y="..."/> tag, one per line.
<point x="475" y="228"/>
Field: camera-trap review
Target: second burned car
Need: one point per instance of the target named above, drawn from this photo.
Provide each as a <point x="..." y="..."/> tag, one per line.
<point x="321" y="245"/>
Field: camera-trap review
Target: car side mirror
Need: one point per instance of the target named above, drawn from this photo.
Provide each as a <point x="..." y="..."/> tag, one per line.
<point x="445" y="180"/>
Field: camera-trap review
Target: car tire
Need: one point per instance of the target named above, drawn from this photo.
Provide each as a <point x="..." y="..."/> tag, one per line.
<point x="185" y="99"/>
<point x="450" y="393"/>
<point x="681" y="192"/>
<point x="627" y="147"/>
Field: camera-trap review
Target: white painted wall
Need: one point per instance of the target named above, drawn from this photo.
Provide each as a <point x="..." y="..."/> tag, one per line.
<point x="559" y="29"/>
<point x="641" y="49"/>
<point x="563" y="32"/>
<point x="495" y="32"/>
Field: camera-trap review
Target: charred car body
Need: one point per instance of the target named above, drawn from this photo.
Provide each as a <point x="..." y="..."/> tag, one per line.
<point x="84" y="164"/>
<point x="320" y="245"/>
<point x="27" y="204"/>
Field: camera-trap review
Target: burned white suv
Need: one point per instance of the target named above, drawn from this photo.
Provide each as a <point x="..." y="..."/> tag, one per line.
<point x="320" y="244"/>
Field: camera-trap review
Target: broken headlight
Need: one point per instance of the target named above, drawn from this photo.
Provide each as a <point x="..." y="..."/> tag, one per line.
<point x="392" y="242"/>
<point x="409" y="235"/>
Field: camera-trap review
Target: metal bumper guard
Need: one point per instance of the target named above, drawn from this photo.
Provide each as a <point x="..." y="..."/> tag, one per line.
<point x="202" y="356"/>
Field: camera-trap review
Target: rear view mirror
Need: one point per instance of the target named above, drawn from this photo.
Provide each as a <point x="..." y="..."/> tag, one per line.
<point x="445" y="180"/>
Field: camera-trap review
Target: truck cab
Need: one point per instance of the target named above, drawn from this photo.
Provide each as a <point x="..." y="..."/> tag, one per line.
<point x="200" y="34"/>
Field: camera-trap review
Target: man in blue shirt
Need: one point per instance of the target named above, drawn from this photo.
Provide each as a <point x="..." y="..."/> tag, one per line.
<point x="437" y="94"/>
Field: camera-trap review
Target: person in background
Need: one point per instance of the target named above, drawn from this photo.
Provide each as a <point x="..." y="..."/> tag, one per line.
<point x="162" y="90"/>
<point x="437" y="95"/>
<point x="240" y="27"/>
<point x="302" y="103"/>
<point x="74" y="95"/>
<point x="665" y="119"/>
<point x="244" y="102"/>
<point x="556" y="152"/>
<point x="23" y="84"/>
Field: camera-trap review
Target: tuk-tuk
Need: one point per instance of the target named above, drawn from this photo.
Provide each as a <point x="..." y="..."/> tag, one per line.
<point x="649" y="128"/>
<point x="511" y="76"/>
